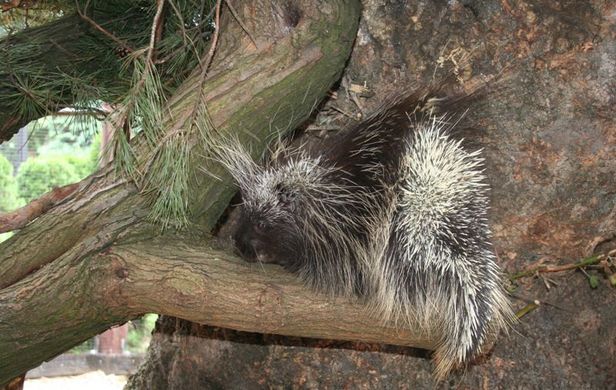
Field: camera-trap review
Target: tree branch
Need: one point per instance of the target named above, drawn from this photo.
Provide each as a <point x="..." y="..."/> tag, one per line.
<point x="195" y="282"/>
<point x="98" y="27"/>
<point x="91" y="209"/>
<point x="21" y="217"/>
<point x="212" y="287"/>
<point x="53" y="50"/>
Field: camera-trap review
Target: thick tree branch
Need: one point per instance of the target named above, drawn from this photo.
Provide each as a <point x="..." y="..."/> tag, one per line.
<point x="90" y="210"/>
<point x="211" y="287"/>
<point x="74" y="314"/>
<point x="191" y="280"/>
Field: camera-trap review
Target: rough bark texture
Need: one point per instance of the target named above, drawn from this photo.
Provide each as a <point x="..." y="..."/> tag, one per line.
<point x="226" y="291"/>
<point x="550" y="143"/>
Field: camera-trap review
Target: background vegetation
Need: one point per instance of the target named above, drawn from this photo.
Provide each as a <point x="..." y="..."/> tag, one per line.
<point x="59" y="150"/>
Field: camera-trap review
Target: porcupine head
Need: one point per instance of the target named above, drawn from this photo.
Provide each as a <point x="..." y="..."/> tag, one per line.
<point x="392" y="210"/>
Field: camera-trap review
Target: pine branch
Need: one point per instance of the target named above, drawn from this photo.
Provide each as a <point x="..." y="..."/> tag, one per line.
<point x="98" y="27"/>
<point x="57" y="65"/>
<point x="169" y="207"/>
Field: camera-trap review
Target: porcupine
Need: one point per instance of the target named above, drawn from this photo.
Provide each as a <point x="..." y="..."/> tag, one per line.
<point x="393" y="211"/>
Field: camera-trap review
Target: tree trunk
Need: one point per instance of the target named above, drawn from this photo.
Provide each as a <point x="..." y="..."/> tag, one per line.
<point x="94" y="261"/>
<point x="550" y="136"/>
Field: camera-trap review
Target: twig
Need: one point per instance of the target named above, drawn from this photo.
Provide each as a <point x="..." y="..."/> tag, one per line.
<point x="558" y="268"/>
<point x="359" y="106"/>
<point x="22" y="216"/>
<point x="178" y="14"/>
<point x="588" y="261"/>
<point x="156" y="31"/>
<point x="352" y="90"/>
<point x="210" y="54"/>
<point x="204" y="67"/>
<point x="98" y="114"/>
<point x="178" y="129"/>
<point x="537" y="301"/>
<point x="340" y="110"/>
<point x="63" y="49"/>
<point x="122" y="118"/>
<point x="101" y="29"/>
<point x="323" y="128"/>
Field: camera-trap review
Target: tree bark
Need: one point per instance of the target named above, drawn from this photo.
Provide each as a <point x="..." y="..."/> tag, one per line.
<point x="76" y="270"/>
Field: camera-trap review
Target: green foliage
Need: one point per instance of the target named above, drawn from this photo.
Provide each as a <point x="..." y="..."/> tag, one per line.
<point x="66" y="62"/>
<point x="63" y="63"/>
<point x="8" y="186"/>
<point x="39" y="175"/>
<point x="139" y="334"/>
<point x="64" y="156"/>
<point x="168" y="177"/>
<point x="82" y="164"/>
<point x="36" y="176"/>
<point x="94" y="152"/>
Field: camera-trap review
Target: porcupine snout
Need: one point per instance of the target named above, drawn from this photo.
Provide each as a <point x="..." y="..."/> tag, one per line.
<point x="248" y="245"/>
<point x="257" y="242"/>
